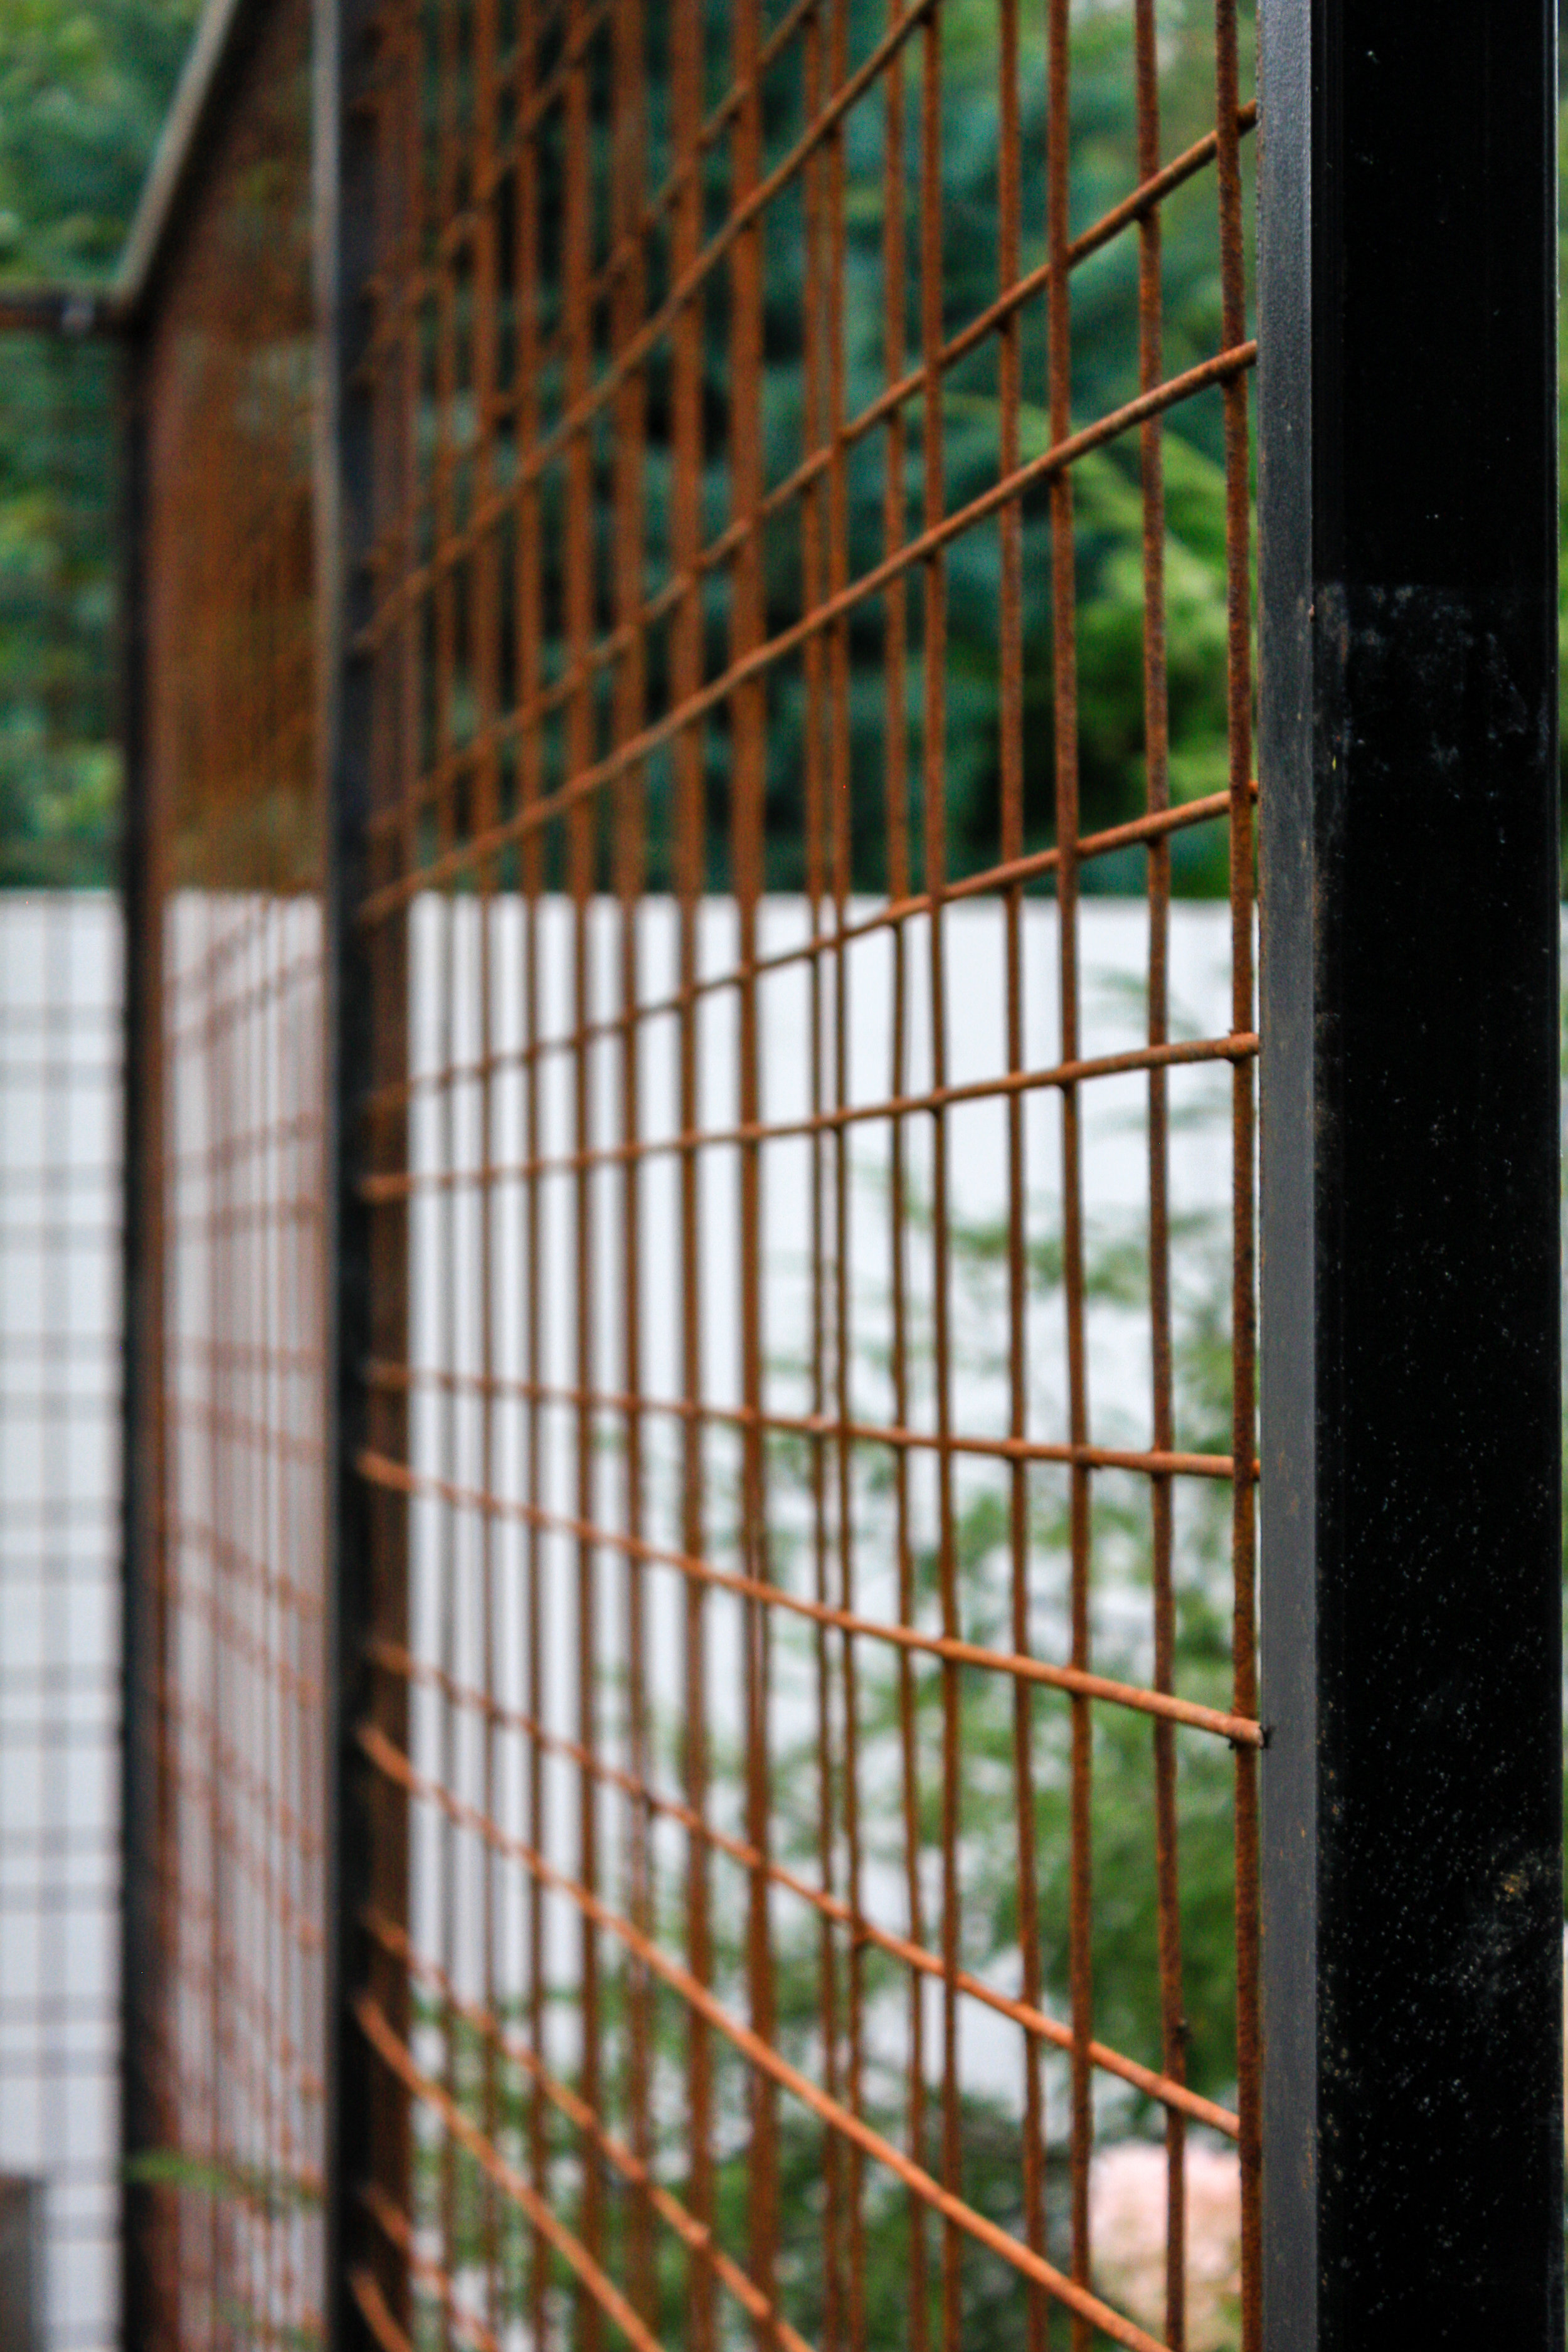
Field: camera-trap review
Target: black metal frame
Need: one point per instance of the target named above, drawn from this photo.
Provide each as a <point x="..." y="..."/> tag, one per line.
<point x="140" y="1472"/>
<point x="1412" y="1855"/>
<point x="359" y="2126"/>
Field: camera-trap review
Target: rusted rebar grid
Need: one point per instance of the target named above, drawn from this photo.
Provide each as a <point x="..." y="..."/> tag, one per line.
<point x="682" y="437"/>
<point x="225" y="2144"/>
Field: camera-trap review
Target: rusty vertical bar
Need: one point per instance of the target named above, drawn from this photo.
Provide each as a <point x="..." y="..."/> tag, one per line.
<point x="1161" y="1498"/>
<point x="839" y="843"/>
<point x="367" y="2134"/>
<point x="274" y="1230"/>
<point x="531" y="785"/>
<point x="581" y="826"/>
<point x="1411" y="1387"/>
<point x="685" y="66"/>
<point x="397" y="694"/>
<point x="933" y="813"/>
<point x="439" y="100"/>
<point x="631" y="150"/>
<point x="216" y="1963"/>
<point x="896" y="674"/>
<point x="1064" y="688"/>
<point x="485" y="662"/>
<point x="814" y="569"/>
<point x="748" y="724"/>
<point x="1010" y="628"/>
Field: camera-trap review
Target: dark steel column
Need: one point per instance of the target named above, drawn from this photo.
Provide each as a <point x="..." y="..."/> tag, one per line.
<point x="367" y="2125"/>
<point x="1412" y="1857"/>
<point x="144" y="2321"/>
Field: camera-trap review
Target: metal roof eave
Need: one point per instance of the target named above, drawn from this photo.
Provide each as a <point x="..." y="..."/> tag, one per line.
<point x="223" y="25"/>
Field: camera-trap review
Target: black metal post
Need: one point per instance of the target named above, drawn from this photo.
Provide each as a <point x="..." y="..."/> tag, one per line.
<point x="366" y="2274"/>
<point x="143" y="2322"/>
<point x="1412" y="1855"/>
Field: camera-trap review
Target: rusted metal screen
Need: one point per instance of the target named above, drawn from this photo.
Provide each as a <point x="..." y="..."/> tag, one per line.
<point x="812" y="1491"/>
<point x="225" y="2150"/>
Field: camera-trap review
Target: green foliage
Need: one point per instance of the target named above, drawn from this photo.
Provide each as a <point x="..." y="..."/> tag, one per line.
<point x="59" y="765"/>
<point x="272" y="2193"/>
<point x="1107" y="485"/>
<point x="82" y="91"/>
<point x="82" y="95"/>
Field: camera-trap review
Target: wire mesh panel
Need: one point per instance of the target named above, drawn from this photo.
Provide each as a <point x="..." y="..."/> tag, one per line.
<point x="60" y="1619"/>
<point x="813" y="1477"/>
<point x="233" y="1063"/>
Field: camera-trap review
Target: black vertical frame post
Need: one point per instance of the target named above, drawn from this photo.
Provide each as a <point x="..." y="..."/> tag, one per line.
<point x="362" y="2268"/>
<point x="1412" y="1833"/>
<point x="141" y="1375"/>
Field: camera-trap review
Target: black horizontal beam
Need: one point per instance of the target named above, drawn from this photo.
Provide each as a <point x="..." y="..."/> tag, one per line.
<point x="70" y="311"/>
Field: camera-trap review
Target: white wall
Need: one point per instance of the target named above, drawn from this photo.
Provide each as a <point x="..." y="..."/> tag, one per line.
<point x="60" y="981"/>
<point x="59" y="1310"/>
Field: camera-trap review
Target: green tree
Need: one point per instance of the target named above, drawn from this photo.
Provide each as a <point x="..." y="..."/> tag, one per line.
<point x="83" y="91"/>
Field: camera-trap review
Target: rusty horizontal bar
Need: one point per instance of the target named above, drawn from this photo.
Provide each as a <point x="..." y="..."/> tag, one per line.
<point x="365" y="2289"/>
<point x="396" y="1478"/>
<point x="694" y="2235"/>
<point x="486" y="845"/>
<point x="394" y="2053"/>
<point x="1156" y="1461"/>
<point x="995" y="879"/>
<point x="761" y="2054"/>
<point x="1185" y="1054"/>
<point x="1146" y="2079"/>
<point x="455" y="546"/>
<point x="691" y="282"/>
<point x="425" y="2271"/>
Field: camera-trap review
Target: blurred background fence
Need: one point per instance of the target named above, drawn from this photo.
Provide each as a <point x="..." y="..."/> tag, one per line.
<point x="60" y="1004"/>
